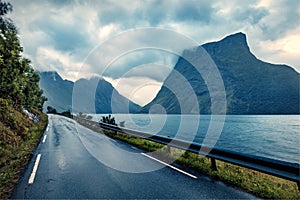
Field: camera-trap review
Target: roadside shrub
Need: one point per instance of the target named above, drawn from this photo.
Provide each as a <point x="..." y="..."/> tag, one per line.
<point x="108" y="120"/>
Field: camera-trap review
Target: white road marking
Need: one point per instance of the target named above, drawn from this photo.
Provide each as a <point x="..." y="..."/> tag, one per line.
<point x="47" y="128"/>
<point x="36" y="164"/>
<point x="44" y="139"/>
<point x="168" y="165"/>
<point x="113" y="140"/>
<point x="134" y="148"/>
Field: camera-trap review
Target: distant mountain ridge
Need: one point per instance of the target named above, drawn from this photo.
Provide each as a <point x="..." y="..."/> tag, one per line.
<point x="57" y="91"/>
<point x="252" y="86"/>
<point x="60" y="93"/>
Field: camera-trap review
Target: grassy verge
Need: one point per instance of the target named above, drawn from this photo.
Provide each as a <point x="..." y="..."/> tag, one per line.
<point x="17" y="143"/>
<point x="259" y="184"/>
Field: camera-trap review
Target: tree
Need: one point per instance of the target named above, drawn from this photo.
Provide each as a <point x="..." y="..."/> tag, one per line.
<point x="51" y="110"/>
<point x="66" y="114"/>
<point x="89" y="117"/>
<point x="18" y="80"/>
<point x="81" y="115"/>
<point x="108" y="120"/>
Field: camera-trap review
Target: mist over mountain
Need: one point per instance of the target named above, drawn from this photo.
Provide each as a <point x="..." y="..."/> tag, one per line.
<point x="96" y="95"/>
<point x="57" y="91"/>
<point x="251" y="85"/>
<point x="93" y="95"/>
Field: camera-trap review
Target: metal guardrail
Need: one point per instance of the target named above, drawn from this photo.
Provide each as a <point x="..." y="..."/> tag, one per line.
<point x="282" y="169"/>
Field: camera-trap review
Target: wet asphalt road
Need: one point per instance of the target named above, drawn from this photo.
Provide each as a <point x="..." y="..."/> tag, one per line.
<point x="78" y="163"/>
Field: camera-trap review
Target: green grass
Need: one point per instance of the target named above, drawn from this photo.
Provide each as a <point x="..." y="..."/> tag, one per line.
<point x="254" y="182"/>
<point x="18" y="138"/>
<point x="257" y="183"/>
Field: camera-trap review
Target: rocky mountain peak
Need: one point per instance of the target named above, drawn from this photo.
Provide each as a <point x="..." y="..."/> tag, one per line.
<point x="53" y="75"/>
<point x="60" y="94"/>
<point x="235" y="39"/>
<point x="251" y="85"/>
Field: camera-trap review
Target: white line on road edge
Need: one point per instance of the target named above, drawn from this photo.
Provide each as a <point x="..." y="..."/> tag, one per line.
<point x="44" y="139"/>
<point x="47" y="128"/>
<point x="36" y="164"/>
<point x="134" y="148"/>
<point x="166" y="164"/>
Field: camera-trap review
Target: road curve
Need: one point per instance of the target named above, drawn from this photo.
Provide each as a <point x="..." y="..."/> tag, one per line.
<point x="77" y="163"/>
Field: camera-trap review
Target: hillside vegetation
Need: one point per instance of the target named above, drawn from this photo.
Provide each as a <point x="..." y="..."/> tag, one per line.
<point x="21" y="101"/>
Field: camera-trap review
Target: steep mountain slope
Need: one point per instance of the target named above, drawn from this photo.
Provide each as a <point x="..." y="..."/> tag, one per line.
<point x="59" y="93"/>
<point x="105" y="98"/>
<point x="252" y="86"/>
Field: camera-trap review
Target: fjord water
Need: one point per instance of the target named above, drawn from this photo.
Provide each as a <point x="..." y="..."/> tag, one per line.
<point x="272" y="136"/>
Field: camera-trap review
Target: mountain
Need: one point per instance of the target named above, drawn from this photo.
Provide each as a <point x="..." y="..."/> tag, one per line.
<point x="57" y="91"/>
<point x="93" y="95"/>
<point x="98" y="96"/>
<point x="251" y="85"/>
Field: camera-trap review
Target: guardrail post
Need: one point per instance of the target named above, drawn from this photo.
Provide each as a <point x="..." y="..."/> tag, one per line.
<point x="168" y="149"/>
<point x="213" y="164"/>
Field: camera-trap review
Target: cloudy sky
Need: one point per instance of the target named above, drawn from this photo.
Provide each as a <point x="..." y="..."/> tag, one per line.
<point x="62" y="34"/>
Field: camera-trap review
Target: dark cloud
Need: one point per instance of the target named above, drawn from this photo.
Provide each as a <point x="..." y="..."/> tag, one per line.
<point x="61" y="2"/>
<point x="250" y="14"/>
<point x="65" y="37"/>
<point x="155" y="12"/>
<point x="72" y="28"/>
<point x="197" y="11"/>
<point x="111" y="12"/>
<point x="287" y="16"/>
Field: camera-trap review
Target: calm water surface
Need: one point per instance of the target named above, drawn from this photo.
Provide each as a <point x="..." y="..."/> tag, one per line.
<point x="273" y="136"/>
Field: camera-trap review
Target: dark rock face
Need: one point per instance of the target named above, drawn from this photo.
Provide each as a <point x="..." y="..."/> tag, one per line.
<point x="98" y="96"/>
<point x="251" y="85"/>
<point x="92" y="96"/>
<point x="57" y="90"/>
